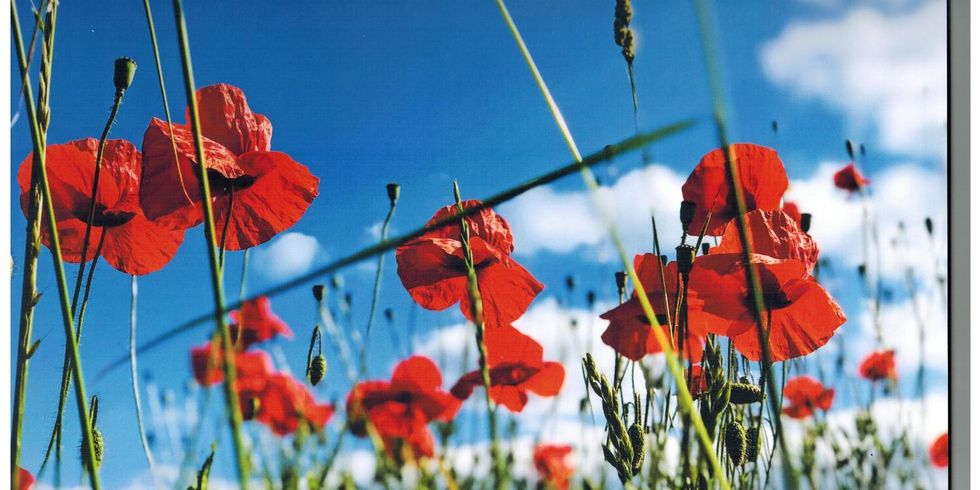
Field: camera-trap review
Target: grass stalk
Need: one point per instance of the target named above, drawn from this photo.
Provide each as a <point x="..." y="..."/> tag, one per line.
<point x="231" y="394"/>
<point x="134" y="373"/>
<point x="685" y="401"/>
<point x="376" y="291"/>
<point x="67" y="317"/>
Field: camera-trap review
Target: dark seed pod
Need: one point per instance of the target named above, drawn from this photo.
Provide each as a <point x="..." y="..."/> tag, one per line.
<point x="745" y="393"/>
<point x="862" y="270"/>
<point x="570" y="282"/>
<point x="687" y="213"/>
<point x="318" y="292"/>
<point x="685" y="258"/>
<point x="318" y="368"/>
<point x="621" y="281"/>
<point x="751" y="444"/>
<point x="929" y="225"/>
<point x="394" y="190"/>
<point x="735" y="442"/>
<point x="704" y="248"/>
<point x="805" y="219"/>
<point x="849" y="146"/>
<point x="590" y="298"/>
<point x="125" y="70"/>
<point x="389" y="315"/>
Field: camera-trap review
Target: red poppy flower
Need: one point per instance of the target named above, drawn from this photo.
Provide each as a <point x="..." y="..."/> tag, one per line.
<point x="773" y="233"/>
<point x="258" y="323"/>
<point x="251" y="368"/>
<point x="25" y="480"/>
<point x="400" y="410"/>
<point x="939" y="451"/>
<point x="264" y="191"/>
<point x="516" y="367"/>
<point x="800" y="315"/>
<point x="284" y="402"/>
<point x="763" y="180"/>
<point x="697" y="382"/>
<point x="805" y="394"/>
<point x="133" y="244"/>
<point x="878" y="366"/>
<point x="793" y="210"/>
<point x="551" y="462"/>
<point x="850" y="179"/>
<point x="431" y="268"/>
<point x="629" y="331"/>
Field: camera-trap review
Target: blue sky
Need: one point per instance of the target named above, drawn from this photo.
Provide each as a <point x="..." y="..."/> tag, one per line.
<point x="370" y="93"/>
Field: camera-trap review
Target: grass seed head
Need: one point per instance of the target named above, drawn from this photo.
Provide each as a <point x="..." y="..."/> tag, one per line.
<point x="735" y="442"/>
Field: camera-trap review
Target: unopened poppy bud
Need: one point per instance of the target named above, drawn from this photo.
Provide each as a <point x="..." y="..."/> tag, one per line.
<point x="590" y="298"/>
<point x="775" y="126"/>
<point x="849" y="145"/>
<point x="389" y="315"/>
<point x="862" y="270"/>
<point x="621" y="281"/>
<point x="861" y="149"/>
<point x="318" y="292"/>
<point x="704" y="248"/>
<point x="124" y="73"/>
<point x="663" y="259"/>
<point x="687" y="213"/>
<point x="685" y="258"/>
<point x="318" y="367"/>
<point x="569" y="282"/>
<point x="735" y="442"/>
<point x="394" y="190"/>
<point x="929" y="225"/>
<point x="751" y="444"/>
<point x="805" y="219"/>
<point x="745" y="393"/>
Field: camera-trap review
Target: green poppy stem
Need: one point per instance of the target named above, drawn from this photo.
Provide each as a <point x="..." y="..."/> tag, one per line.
<point x="231" y="393"/>
<point x="134" y="373"/>
<point x="67" y="318"/>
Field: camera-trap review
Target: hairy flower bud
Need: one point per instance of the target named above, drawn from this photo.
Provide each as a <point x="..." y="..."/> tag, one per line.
<point x="124" y="73"/>
<point x="318" y="368"/>
<point x="394" y="190"/>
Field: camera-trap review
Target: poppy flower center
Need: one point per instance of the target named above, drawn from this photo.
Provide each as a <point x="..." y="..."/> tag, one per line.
<point x="103" y="217"/>
<point x="510" y="374"/>
<point x="221" y="184"/>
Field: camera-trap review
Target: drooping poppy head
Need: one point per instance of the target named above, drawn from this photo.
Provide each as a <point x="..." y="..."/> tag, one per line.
<point x="798" y="315"/>
<point x="552" y="464"/>
<point x="257" y="323"/>
<point x="773" y="233"/>
<point x="804" y="395"/>
<point x="850" y="179"/>
<point x="878" y="366"/>
<point x="433" y="270"/>
<point x="763" y="181"/>
<point x="259" y="192"/>
<point x="516" y="367"/>
<point x="939" y="451"/>
<point x="284" y="403"/>
<point x="400" y="409"/>
<point x="252" y="368"/>
<point x="131" y="243"/>
<point x="25" y="480"/>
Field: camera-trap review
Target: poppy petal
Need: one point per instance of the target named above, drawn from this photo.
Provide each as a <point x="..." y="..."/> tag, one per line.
<point x="140" y="246"/>
<point x="227" y="119"/>
<point x="432" y="272"/>
<point x="548" y="380"/>
<point x="507" y="289"/>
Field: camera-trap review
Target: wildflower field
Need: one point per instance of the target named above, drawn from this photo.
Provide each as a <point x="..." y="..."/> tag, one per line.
<point x="621" y="244"/>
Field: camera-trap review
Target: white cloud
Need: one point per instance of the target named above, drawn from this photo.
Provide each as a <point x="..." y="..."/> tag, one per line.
<point x="562" y="221"/>
<point x="888" y="72"/>
<point x="290" y="254"/>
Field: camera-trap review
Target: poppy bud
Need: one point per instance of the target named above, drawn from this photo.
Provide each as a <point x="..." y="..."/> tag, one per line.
<point x="685" y="258"/>
<point x="124" y="73"/>
<point x="751" y="444"/>
<point x="849" y="146"/>
<point x="389" y="315"/>
<point x="569" y="282"/>
<point x="861" y="149"/>
<point x="735" y="442"/>
<point x="590" y="298"/>
<point x="775" y="126"/>
<point x="687" y="213"/>
<point x="394" y="190"/>
<point x="663" y="259"/>
<point x="805" y="222"/>
<point x="929" y="225"/>
<point x="704" y="248"/>
<point x="745" y="393"/>
<point x="318" y="292"/>
<point x="862" y="270"/>
<point x="318" y="367"/>
<point x="621" y="281"/>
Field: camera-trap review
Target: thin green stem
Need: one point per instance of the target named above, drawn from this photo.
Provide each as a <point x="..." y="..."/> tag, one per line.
<point x="133" y="371"/>
<point x="685" y="401"/>
<point x="476" y="312"/>
<point x="231" y="394"/>
<point x="376" y="292"/>
<point x="32" y="250"/>
<point x="67" y="317"/>
<point x="601" y="156"/>
<point x="751" y="273"/>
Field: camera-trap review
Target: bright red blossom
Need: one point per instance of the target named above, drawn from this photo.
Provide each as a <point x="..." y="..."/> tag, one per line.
<point x="939" y="451"/>
<point x="251" y="367"/>
<point x="799" y="314"/>
<point x="878" y="366"/>
<point x="132" y="243"/>
<point x="763" y="180"/>
<point x="774" y="234"/>
<point x="284" y="402"/>
<point x="516" y="367"/>
<point x="629" y="331"/>
<point x="804" y="395"/>
<point x="432" y="269"/>
<point x="850" y="179"/>
<point x="25" y="480"/>
<point x="264" y="191"/>
<point x="400" y="410"/>
<point x="257" y="323"/>
<point x="552" y="464"/>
